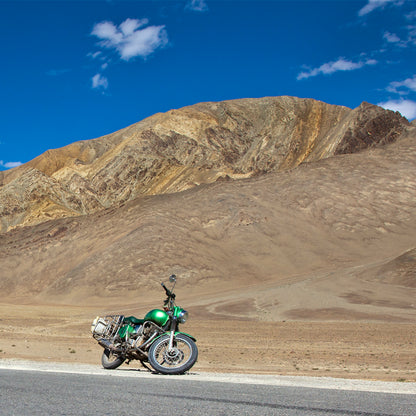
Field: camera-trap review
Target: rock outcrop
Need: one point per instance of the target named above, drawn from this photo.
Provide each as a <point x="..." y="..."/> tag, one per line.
<point x="180" y="149"/>
<point x="336" y="217"/>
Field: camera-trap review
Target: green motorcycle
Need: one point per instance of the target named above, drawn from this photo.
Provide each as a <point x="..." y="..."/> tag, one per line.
<point x="155" y="339"/>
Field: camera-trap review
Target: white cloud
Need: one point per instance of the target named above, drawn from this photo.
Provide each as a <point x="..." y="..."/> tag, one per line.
<point x="10" y="165"/>
<point x="400" y="87"/>
<point x="129" y="26"/>
<point x="377" y="4"/>
<point x="411" y="35"/>
<point x="99" y="82"/>
<point x="408" y="39"/>
<point x="197" y="5"/>
<point x="94" y="55"/>
<point x="391" y="37"/>
<point x="411" y="15"/>
<point x="131" y="39"/>
<point x="406" y="108"/>
<point x="341" y="64"/>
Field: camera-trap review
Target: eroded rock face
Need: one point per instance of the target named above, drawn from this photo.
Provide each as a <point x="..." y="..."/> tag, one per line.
<point x="180" y="149"/>
<point x="349" y="219"/>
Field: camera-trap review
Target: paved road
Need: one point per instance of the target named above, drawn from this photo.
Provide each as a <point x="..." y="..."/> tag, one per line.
<point x="28" y="392"/>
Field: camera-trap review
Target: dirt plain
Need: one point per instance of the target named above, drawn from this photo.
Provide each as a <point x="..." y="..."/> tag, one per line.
<point x="326" y="344"/>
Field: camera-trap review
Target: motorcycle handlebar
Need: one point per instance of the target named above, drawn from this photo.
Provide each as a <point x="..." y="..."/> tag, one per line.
<point x="168" y="292"/>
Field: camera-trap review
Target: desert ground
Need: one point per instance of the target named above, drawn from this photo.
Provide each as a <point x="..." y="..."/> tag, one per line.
<point x="358" y="348"/>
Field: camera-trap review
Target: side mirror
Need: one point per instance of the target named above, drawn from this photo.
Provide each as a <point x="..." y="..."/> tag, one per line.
<point x="172" y="278"/>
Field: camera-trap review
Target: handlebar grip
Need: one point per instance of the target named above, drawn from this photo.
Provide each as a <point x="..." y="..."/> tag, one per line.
<point x="168" y="292"/>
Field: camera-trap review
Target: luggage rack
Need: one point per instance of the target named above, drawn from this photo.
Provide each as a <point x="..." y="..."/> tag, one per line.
<point x="106" y="326"/>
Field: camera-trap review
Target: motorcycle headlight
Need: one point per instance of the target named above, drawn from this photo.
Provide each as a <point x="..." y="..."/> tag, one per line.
<point x="183" y="316"/>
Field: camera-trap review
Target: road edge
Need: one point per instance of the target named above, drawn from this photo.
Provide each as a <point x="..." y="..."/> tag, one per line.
<point x="256" y="379"/>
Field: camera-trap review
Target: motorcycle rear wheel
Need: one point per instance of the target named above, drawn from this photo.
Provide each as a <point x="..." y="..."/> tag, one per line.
<point x="180" y="359"/>
<point x="111" y="361"/>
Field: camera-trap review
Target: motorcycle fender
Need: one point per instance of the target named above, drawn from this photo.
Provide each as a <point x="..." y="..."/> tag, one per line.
<point x="177" y="333"/>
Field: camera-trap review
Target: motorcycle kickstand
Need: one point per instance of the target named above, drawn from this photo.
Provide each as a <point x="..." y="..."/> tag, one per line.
<point x="145" y="366"/>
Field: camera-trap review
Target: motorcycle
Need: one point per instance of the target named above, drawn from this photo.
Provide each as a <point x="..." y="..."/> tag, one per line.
<point x="155" y="339"/>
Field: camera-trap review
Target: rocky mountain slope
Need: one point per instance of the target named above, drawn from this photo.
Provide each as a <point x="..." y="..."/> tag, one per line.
<point x="332" y="239"/>
<point x="184" y="148"/>
<point x="320" y="225"/>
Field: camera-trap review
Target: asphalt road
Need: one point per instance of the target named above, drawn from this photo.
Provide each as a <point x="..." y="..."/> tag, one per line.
<point x="29" y="392"/>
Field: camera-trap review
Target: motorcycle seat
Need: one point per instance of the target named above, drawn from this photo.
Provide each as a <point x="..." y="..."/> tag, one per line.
<point x="133" y="320"/>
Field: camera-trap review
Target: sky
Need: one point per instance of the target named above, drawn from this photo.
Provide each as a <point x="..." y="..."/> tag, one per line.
<point x="78" y="70"/>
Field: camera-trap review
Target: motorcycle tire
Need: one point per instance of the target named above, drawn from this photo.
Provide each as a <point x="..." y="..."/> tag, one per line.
<point x="111" y="361"/>
<point x="182" y="357"/>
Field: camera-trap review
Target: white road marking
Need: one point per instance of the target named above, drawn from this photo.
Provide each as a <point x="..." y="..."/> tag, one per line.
<point x="271" y="380"/>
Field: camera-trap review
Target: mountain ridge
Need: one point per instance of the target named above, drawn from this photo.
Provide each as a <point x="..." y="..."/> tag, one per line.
<point x="180" y="149"/>
<point x="263" y="236"/>
<point x="333" y="239"/>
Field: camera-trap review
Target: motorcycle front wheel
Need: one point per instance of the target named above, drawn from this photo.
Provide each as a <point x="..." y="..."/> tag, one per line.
<point x="111" y="361"/>
<point x="179" y="359"/>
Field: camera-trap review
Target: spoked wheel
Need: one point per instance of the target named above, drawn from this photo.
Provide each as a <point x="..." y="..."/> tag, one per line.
<point x="110" y="361"/>
<point x="179" y="359"/>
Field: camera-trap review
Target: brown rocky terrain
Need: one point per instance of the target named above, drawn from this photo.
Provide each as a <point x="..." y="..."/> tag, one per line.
<point x="309" y="267"/>
<point x="364" y="350"/>
<point x="180" y="149"/>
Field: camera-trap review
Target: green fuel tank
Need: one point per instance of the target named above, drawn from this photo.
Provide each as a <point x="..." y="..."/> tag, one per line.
<point x="158" y="316"/>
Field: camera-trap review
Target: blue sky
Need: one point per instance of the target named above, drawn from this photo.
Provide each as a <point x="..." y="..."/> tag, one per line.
<point x="77" y="70"/>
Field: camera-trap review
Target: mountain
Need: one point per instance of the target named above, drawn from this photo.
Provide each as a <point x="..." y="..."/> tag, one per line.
<point x="333" y="238"/>
<point x="182" y="149"/>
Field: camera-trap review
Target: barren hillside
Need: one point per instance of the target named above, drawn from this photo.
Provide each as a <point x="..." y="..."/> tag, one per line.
<point x="327" y="240"/>
<point x="184" y="148"/>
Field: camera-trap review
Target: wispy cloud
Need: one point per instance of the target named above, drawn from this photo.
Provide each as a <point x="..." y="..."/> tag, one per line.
<point x="9" y="165"/>
<point x="411" y="36"/>
<point x="94" y="55"/>
<point x="197" y="5"/>
<point x="406" y="108"/>
<point x="378" y="4"/>
<point x="341" y="64"/>
<point x="391" y="37"/>
<point x="411" y="15"/>
<point x="99" y="82"/>
<point x="408" y="38"/>
<point x="132" y="38"/>
<point x="403" y="87"/>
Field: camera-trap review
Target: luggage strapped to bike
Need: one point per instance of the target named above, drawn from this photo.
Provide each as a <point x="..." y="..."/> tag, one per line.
<point x="107" y="326"/>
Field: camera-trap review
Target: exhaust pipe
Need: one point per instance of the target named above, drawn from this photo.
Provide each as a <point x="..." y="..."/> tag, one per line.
<point x="105" y="343"/>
